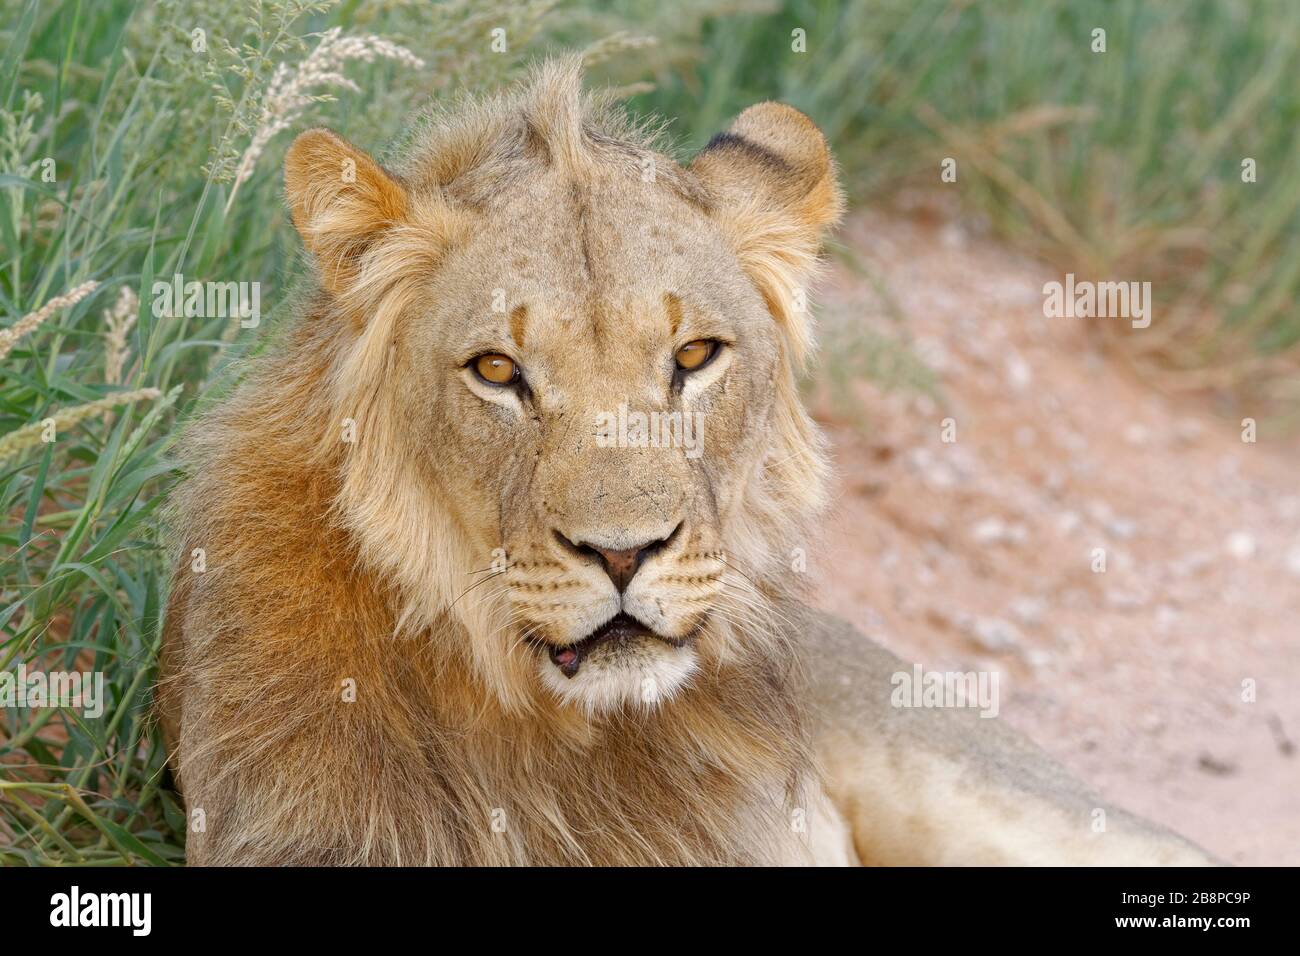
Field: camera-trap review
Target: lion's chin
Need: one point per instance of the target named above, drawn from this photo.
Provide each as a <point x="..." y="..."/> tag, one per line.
<point x="621" y="664"/>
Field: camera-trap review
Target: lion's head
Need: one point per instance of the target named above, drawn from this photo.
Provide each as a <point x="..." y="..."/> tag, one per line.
<point x="563" y="376"/>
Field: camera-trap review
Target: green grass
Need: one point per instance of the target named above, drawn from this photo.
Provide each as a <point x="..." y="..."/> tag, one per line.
<point x="1124" y="163"/>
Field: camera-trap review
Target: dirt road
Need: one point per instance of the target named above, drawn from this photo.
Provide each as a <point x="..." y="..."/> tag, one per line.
<point x="1170" y="680"/>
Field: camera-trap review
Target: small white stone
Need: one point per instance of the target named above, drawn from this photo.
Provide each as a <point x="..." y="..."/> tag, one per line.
<point x="995" y="634"/>
<point x="1121" y="527"/>
<point x="1019" y="374"/>
<point x="1029" y="610"/>
<point x="996" y="531"/>
<point x="933" y="353"/>
<point x="1165" y="617"/>
<point x="1241" y="545"/>
<point x="1125" y="600"/>
<point x="1038" y="659"/>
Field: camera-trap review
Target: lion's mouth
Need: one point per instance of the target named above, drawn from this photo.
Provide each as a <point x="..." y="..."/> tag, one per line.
<point x="621" y="628"/>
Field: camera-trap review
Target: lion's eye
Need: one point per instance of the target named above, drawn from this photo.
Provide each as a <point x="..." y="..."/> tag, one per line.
<point x="695" y="354"/>
<point x="496" y="369"/>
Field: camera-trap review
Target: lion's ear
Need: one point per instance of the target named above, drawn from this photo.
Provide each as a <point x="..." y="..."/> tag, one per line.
<point x="341" y="201"/>
<point x="776" y="191"/>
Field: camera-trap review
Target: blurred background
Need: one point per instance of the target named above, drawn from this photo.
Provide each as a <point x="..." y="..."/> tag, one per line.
<point x="143" y="139"/>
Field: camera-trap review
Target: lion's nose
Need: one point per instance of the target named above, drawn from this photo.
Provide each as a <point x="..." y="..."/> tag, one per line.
<point x="620" y="564"/>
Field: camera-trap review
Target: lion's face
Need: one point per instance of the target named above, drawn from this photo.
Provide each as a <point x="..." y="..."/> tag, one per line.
<point x="596" y="376"/>
<point x="592" y="390"/>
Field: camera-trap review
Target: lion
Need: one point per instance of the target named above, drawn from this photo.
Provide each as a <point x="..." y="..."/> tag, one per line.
<point x="445" y="599"/>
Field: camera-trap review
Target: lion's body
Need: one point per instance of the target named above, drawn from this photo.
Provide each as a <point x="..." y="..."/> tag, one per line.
<point x="339" y="687"/>
<point x="946" y="786"/>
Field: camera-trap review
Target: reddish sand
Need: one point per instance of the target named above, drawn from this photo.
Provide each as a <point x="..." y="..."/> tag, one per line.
<point x="979" y="553"/>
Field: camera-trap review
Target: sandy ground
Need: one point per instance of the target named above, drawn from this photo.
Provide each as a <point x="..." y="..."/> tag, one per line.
<point x="979" y="553"/>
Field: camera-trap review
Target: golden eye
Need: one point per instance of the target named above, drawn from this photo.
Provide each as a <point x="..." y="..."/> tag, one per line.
<point x="496" y="369"/>
<point x="695" y="354"/>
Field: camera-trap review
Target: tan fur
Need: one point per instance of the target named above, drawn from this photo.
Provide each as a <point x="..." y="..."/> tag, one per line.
<point x="941" y="787"/>
<point x="356" y="676"/>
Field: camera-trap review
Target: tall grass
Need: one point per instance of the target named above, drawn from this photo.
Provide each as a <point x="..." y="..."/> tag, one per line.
<point x="1125" y="162"/>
